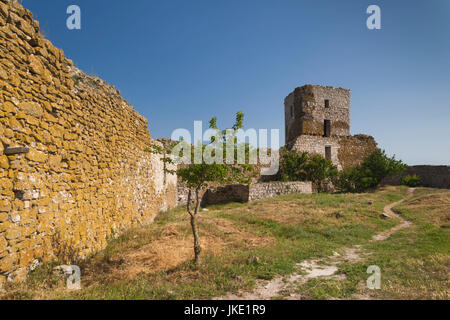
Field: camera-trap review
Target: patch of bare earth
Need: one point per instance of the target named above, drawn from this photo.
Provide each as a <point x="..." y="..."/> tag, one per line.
<point x="318" y="268"/>
<point x="172" y="248"/>
<point x="310" y="269"/>
<point x="388" y="211"/>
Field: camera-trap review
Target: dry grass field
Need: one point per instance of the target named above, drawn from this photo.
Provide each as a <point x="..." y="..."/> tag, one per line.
<point x="250" y="246"/>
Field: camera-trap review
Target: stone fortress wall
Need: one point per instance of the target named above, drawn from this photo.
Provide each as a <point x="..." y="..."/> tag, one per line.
<point x="246" y="192"/>
<point x="430" y="176"/>
<point x="273" y="189"/>
<point x="73" y="171"/>
<point x="308" y="108"/>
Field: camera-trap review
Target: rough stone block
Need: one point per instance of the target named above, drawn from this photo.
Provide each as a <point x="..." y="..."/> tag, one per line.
<point x="15" y="151"/>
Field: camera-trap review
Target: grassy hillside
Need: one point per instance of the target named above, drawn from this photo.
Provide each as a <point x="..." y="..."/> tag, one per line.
<point x="247" y="244"/>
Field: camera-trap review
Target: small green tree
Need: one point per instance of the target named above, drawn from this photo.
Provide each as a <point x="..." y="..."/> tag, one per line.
<point x="320" y="171"/>
<point x="378" y="166"/>
<point x="199" y="176"/>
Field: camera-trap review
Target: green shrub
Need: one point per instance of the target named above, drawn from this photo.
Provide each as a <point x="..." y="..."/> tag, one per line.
<point x="370" y="173"/>
<point x="295" y="166"/>
<point x="411" y="181"/>
<point x="320" y="171"/>
<point x="345" y="180"/>
<point x="292" y="166"/>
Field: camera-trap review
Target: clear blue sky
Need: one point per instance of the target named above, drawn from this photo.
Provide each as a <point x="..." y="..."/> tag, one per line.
<point x="177" y="61"/>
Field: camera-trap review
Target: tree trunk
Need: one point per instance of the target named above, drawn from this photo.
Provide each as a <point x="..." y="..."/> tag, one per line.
<point x="197" y="247"/>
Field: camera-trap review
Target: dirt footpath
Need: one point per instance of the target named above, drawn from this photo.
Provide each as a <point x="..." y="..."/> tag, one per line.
<point x="325" y="267"/>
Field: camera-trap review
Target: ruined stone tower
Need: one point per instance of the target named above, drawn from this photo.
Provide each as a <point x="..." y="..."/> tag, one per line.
<point x="317" y="121"/>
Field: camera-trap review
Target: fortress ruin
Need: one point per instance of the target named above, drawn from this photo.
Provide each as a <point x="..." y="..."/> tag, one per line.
<point x="73" y="170"/>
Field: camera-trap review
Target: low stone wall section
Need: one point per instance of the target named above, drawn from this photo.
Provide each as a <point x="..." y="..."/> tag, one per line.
<point x="246" y="193"/>
<point x="431" y="176"/>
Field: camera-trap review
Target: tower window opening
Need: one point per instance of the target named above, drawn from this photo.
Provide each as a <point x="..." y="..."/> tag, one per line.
<point x="328" y="153"/>
<point x="327" y="128"/>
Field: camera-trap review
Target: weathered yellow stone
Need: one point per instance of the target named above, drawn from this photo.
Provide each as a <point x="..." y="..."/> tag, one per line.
<point x="31" y="108"/>
<point x="8" y="262"/>
<point x="9" y="107"/>
<point x="56" y="131"/>
<point x="15" y="124"/>
<point x="2" y="281"/>
<point x="3" y="254"/>
<point x="17" y="205"/>
<point x="52" y="148"/>
<point x="44" y="202"/>
<point x="9" y="133"/>
<point x="38" y="137"/>
<point x="3" y="74"/>
<point x="6" y="193"/>
<point x="3" y="216"/>
<point x="5" y="183"/>
<point x="13" y="232"/>
<point x="5" y="206"/>
<point x="43" y="125"/>
<point x="36" y="156"/>
<point x="4" y="162"/>
<point x="31" y="120"/>
<point x="14" y="80"/>
<point x="70" y="136"/>
<point x="4" y="9"/>
<point x="26" y="257"/>
<point x="66" y="206"/>
<point x="47" y="105"/>
<point x="50" y="118"/>
<point x="3" y="243"/>
<point x="27" y="28"/>
<point x="4" y="226"/>
<point x="55" y="161"/>
<point x="36" y="65"/>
